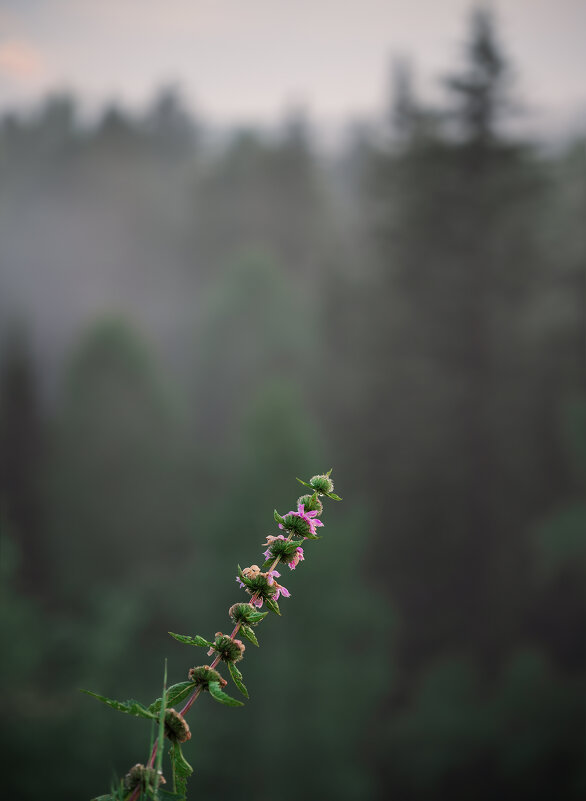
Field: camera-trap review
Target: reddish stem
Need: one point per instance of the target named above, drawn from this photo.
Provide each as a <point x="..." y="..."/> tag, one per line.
<point x="196" y="693"/>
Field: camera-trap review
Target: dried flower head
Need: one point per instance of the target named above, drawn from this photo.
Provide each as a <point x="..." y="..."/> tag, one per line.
<point x="229" y="649"/>
<point x="176" y="727"/>
<point x="139" y="775"/>
<point x="203" y="675"/>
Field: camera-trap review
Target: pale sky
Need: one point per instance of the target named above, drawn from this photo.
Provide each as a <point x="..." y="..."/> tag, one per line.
<point x="245" y="60"/>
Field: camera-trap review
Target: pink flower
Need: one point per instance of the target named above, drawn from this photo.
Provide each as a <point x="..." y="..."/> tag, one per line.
<point x="297" y="557"/>
<point x="309" y="517"/>
<point x="279" y="587"/>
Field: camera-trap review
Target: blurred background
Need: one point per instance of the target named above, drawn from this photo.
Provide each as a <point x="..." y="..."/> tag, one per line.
<point x="362" y="247"/>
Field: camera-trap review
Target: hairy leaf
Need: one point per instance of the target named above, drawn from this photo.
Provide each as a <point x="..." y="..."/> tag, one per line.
<point x="278" y="518"/>
<point x="182" y="770"/>
<point x="197" y="640"/>
<point x="237" y="678"/>
<point x="130" y="707"/>
<point x="249" y="634"/>
<point x="221" y="696"/>
<point x="273" y="606"/>
<point x="175" y="694"/>
<point x="256" y="617"/>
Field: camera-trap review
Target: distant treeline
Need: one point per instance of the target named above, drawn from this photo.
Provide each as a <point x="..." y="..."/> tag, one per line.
<point x="184" y="326"/>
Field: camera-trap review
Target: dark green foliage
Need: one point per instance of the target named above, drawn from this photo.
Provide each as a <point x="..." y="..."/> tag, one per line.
<point x="273" y="606"/>
<point x="175" y="694"/>
<point x="197" y="640"/>
<point x="237" y="677"/>
<point x="128" y="707"/>
<point x="219" y="695"/>
<point x="182" y="770"/>
<point x="247" y="632"/>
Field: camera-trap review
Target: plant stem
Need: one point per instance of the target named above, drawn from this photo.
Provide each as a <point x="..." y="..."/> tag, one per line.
<point x="196" y="693"/>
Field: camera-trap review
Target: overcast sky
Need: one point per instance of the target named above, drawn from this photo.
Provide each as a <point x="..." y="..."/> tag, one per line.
<point x="245" y="60"/>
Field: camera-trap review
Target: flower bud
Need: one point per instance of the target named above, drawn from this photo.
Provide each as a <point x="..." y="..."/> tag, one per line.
<point x="311" y="503"/>
<point x="176" y="727"/>
<point x="202" y="675"/>
<point x="230" y="650"/>
<point x="140" y="775"/>
<point x="322" y="483"/>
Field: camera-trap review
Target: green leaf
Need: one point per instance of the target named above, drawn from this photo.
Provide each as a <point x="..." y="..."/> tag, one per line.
<point x="130" y="707"/>
<point x="329" y="473"/>
<point x="312" y="537"/>
<point x="273" y="606"/>
<point x="221" y="696"/>
<point x="182" y="770"/>
<point x="305" y="484"/>
<point x="197" y="640"/>
<point x="278" y="518"/>
<point x="249" y="634"/>
<point x="175" y="694"/>
<point x="333" y="496"/>
<point x="237" y="678"/>
<point x="256" y="617"/>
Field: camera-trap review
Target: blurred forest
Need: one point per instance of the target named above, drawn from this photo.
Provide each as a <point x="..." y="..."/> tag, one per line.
<point x="187" y="323"/>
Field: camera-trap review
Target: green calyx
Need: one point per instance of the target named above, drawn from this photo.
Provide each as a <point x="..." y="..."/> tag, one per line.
<point x="322" y="483"/>
<point x="245" y="613"/>
<point x="282" y="549"/>
<point x="296" y="525"/>
<point x="311" y="503"/>
<point x="258" y="585"/>
<point x="230" y="650"/>
<point x="203" y="675"/>
<point x="176" y="727"/>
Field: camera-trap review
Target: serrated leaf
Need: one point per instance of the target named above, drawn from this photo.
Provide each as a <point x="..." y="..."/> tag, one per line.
<point x="247" y="632"/>
<point x="219" y="694"/>
<point x="175" y="694"/>
<point x="130" y="707"/>
<point x="273" y="606"/>
<point x="237" y="678"/>
<point x="197" y="640"/>
<point x="333" y="496"/>
<point x="182" y="770"/>
<point x="256" y="617"/>
<point x="278" y="518"/>
<point x="305" y="484"/>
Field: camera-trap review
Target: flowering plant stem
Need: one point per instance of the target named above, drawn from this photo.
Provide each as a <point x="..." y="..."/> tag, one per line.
<point x="143" y="781"/>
